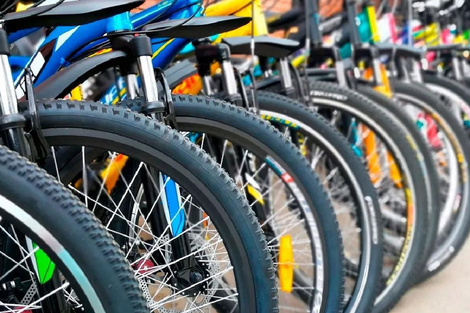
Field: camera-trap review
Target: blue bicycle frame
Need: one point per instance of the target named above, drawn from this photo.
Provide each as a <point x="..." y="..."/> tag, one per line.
<point x="65" y="43"/>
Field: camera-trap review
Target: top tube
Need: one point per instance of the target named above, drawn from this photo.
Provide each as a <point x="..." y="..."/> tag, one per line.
<point x="157" y="12"/>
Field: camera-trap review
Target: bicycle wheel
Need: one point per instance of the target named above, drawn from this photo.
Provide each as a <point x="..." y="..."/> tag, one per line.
<point x="349" y="187"/>
<point x="122" y="172"/>
<point x="293" y="204"/>
<point x="397" y="170"/>
<point x="453" y="93"/>
<point x="431" y="178"/>
<point x="450" y="140"/>
<point x="323" y="290"/>
<point x="36" y="211"/>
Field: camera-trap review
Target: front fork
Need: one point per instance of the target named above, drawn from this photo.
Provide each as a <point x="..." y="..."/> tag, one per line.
<point x="410" y="71"/>
<point x="11" y="122"/>
<point x="382" y="85"/>
<point x="168" y="216"/>
<point x="206" y="54"/>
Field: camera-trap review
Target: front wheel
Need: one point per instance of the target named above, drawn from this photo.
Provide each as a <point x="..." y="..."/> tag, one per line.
<point x="397" y="171"/>
<point x="284" y="192"/>
<point x="54" y="253"/>
<point x="445" y="134"/>
<point x="108" y="155"/>
<point x="353" y="196"/>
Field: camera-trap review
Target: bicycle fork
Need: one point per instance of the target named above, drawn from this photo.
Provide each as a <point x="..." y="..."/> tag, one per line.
<point x="11" y="122"/>
<point x="168" y="216"/>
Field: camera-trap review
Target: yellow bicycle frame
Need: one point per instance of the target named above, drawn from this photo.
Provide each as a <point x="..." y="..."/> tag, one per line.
<point x="241" y="8"/>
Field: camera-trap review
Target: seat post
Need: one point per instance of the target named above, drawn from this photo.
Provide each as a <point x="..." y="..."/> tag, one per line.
<point x="286" y="79"/>
<point x="229" y="81"/>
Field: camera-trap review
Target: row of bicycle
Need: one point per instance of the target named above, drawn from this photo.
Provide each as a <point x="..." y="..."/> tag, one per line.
<point x="228" y="170"/>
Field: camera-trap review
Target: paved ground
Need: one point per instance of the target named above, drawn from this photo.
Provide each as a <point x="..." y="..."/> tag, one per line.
<point x="447" y="292"/>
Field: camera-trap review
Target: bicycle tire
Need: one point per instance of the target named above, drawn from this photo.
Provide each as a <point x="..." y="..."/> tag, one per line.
<point x="91" y="124"/>
<point x="431" y="177"/>
<point x="282" y="110"/>
<point x="223" y="120"/>
<point x="53" y="218"/>
<point x="466" y="81"/>
<point x="333" y="304"/>
<point x="323" y="94"/>
<point x="452" y="92"/>
<point x="447" y="247"/>
<point x="327" y="95"/>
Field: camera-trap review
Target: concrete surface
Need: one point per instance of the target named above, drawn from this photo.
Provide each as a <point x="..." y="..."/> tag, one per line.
<point x="447" y="292"/>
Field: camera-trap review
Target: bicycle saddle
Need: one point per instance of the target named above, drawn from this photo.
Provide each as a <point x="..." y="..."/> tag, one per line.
<point x="195" y="28"/>
<point x="333" y="23"/>
<point x="68" y="13"/>
<point x="444" y="47"/>
<point x="264" y="46"/>
<point x="400" y="50"/>
<point x="463" y="48"/>
<point x="285" y="20"/>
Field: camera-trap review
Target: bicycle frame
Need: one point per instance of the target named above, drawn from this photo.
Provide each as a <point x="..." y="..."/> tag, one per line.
<point x="66" y="43"/>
